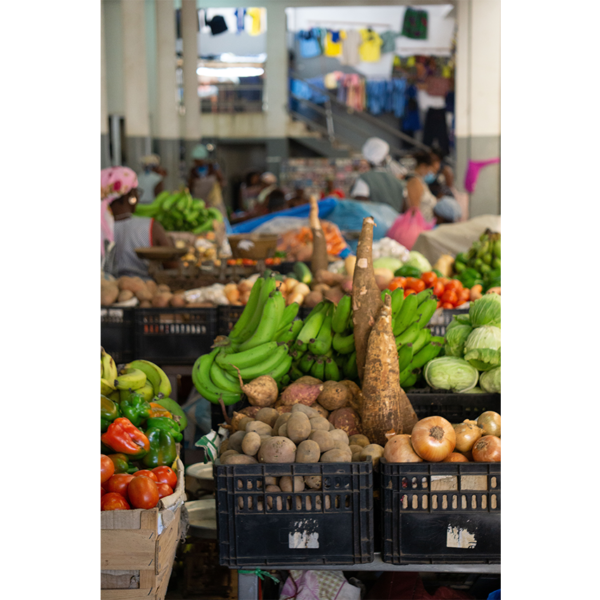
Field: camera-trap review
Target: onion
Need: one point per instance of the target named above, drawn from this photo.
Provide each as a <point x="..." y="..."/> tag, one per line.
<point x="399" y="449"/>
<point x="466" y="435"/>
<point x="468" y="455"/>
<point x="433" y="438"/>
<point x="487" y="449"/>
<point x="456" y="457"/>
<point x="489" y="421"/>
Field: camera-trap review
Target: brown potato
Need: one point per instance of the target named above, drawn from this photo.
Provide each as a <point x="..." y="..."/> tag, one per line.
<point x="235" y="440"/>
<point x="355" y="396"/>
<point x="298" y="427"/>
<point x="177" y="301"/>
<point x="161" y="300"/>
<point x="309" y="411"/>
<point x="308" y="451"/>
<point x="273" y="488"/>
<point x="323" y="438"/>
<point x="163" y="288"/>
<point x="144" y="294"/>
<point x="354" y="448"/>
<point x="347" y="419"/>
<point x="145" y="304"/>
<point x="323" y="412"/>
<point x="281" y="419"/>
<point x="125" y="295"/>
<point x="250" y="411"/>
<point x="341" y="435"/>
<point x="239" y="459"/>
<point x="314" y="482"/>
<point x="227" y="453"/>
<point x="277" y="450"/>
<point x="313" y="298"/>
<point x="319" y="423"/>
<point x="373" y="452"/>
<point x="359" y="440"/>
<point x="356" y="457"/>
<point x="223" y="447"/>
<point x="123" y="283"/>
<point x="235" y="421"/>
<point x="267" y="415"/>
<point x="270" y="480"/>
<point x="243" y="423"/>
<point x="285" y="483"/>
<point x="109" y="292"/>
<point x="260" y="428"/>
<point x="336" y="455"/>
<point x="251" y="443"/>
<point x="283" y="430"/>
<point x="151" y="286"/>
<point x="334" y="395"/>
<point x="341" y="446"/>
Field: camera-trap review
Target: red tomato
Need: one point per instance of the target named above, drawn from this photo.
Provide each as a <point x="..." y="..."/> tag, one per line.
<point x="412" y="283"/>
<point x="449" y="296"/>
<point x="165" y="475"/>
<point x="231" y="261"/>
<point x="439" y="304"/>
<point x="118" y="483"/>
<point x="107" y="468"/>
<point x="459" y="302"/>
<point x="438" y="288"/>
<point x="102" y="491"/>
<point x="443" y="280"/>
<point x="143" y="492"/>
<point x="447" y="305"/>
<point x="247" y="262"/>
<point x="464" y="295"/>
<point x="397" y="282"/>
<point x="269" y="261"/>
<point x="429" y="277"/>
<point x="409" y="292"/>
<point x="453" y="284"/>
<point x="146" y="473"/>
<point x="164" y="490"/>
<point x="113" y="501"/>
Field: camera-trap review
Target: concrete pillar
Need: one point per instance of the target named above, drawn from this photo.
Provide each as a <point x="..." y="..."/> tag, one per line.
<point x="104" y="152"/>
<point x="478" y="99"/>
<point x="135" y="77"/>
<point x="189" y="34"/>
<point x="166" y="131"/>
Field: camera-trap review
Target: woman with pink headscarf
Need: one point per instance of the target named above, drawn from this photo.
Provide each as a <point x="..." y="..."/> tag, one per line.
<point x="121" y="232"/>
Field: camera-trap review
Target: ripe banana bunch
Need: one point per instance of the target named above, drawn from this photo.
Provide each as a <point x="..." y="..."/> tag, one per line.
<point x="258" y="345"/>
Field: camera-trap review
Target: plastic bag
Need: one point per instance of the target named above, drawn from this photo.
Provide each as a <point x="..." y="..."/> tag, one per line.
<point x="408" y="227"/>
<point x="318" y="585"/>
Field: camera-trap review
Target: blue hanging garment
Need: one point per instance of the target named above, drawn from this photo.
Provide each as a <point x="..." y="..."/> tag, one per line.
<point x="240" y="13"/>
<point x="411" y="120"/>
<point x="309" y="44"/>
<point x="315" y="96"/>
<point x="399" y="97"/>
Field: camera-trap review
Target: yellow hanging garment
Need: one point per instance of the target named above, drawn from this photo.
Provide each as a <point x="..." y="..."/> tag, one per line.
<point x="370" y="49"/>
<point x="258" y="17"/>
<point x="334" y="48"/>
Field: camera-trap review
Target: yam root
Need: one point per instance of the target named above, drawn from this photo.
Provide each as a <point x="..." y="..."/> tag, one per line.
<point x="366" y="297"/>
<point x="381" y="385"/>
<point x="319" y="254"/>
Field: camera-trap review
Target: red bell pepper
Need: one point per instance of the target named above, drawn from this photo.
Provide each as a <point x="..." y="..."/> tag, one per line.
<point x="123" y="436"/>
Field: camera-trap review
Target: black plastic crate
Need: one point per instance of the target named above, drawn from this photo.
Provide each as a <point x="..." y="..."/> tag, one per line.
<point x="440" y="512"/>
<point x="117" y="333"/>
<point x="228" y="317"/>
<point x="453" y="407"/>
<point x="176" y="336"/>
<point x="333" y="525"/>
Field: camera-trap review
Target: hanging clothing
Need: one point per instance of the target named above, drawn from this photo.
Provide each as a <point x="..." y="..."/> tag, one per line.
<point x="309" y="43"/>
<point x="472" y="172"/>
<point x="436" y="129"/>
<point x="132" y="233"/>
<point x="217" y="25"/>
<point x="333" y="43"/>
<point x="258" y="16"/>
<point x="411" y="120"/>
<point x="388" y="39"/>
<point x="370" y="48"/>
<point x="350" y="52"/>
<point x="240" y="14"/>
<point x="414" y="26"/>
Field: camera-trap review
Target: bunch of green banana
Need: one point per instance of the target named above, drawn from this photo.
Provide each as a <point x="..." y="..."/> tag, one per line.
<point x="259" y="344"/>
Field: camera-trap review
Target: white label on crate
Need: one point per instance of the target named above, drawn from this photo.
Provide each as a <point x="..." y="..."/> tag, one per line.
<point x="456" y="537"/>
<point x="304" y="534"/>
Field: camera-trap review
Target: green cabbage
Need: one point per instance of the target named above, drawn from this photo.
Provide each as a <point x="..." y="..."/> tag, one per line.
<point x="417" y="260"/>
<point x="485" y="311"/>
<point x="475" y="390"/>
<point x="451" y="373"/>
<point x="482" y="348"/>
<point x="387" y="262"/>
<point x="490" y="381"/>
<point x="456" y="337"/>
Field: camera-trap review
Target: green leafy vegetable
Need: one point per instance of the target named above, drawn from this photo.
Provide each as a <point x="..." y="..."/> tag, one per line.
<point x="456" y="338"/>
<point x="490" y="381"/>
<point x="485" y="311"/>
<point x="417" y="260"/>
<point x="451" y="373"/>
<point x="482" y="348"/>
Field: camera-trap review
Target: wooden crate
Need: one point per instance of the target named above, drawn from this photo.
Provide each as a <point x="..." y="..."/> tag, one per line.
<point x="138" y="547"/>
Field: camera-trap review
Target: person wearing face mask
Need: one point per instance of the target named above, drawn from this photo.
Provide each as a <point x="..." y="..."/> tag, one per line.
<point x="418" y="195"/>
<point x="121" y="232"/>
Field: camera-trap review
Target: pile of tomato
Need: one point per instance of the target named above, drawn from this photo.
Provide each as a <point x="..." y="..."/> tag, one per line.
<point x="142" y="489"/>
<point x="449" y="292"/>
<point x="249" y="262"/>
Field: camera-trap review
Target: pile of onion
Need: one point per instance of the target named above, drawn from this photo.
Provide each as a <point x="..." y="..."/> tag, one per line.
<point x="398" y="449"/>
<point x="433" y="439"/>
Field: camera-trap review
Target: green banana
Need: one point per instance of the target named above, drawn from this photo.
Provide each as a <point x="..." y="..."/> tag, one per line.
<point x="306" y="362"/>
<point x="289" y="314"/>
<point x="248" y="312"/>
<point x="146" y="391"/>
<point x="296" y="373"/>
<point x="385" y="293"/>
<point x="247" y="358"/>
<point x="425" y="311"/>
<point x="409" y="335"/>
<point x="281" y="369"/>
<point x="332" y="372"/>
<point x="265" y="332"/>
<point x="341" y="315"/>
<point x="397" y="301"/>
<point x="405" y="374"/>
<point x="339" y="360"/>
<point x="311" y="327"/>
<point x="429" y="352"/>
<point x="106" y="387"/>
<point x="343" y="344"/>
<point x="285" y="380"/>
<point x="406" y="314"/>
<point x="350" y="368"/>
<point x="424" y="295"/>
<point x="267" y="365"/>
<point x="321" y="344"/>
<point x="205" y="385"/>
<point x="130" y="378"/>
<point x="410" y="380"/>
<point x="437" y="338"/>
<point x="224" y="381"/>
<point x="155" y="375"/>
<point x="422" y="339"/>
<point x="318" y="369"/>
<point x="289" y="333"/>
<point x="405" y="355"/>
<point x="109" y="368"/>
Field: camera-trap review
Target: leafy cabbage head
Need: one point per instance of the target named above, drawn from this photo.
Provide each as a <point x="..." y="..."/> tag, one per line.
<point x="456" y="337"/>
<point x="451" y="373"/>
<point x="416" y="259"/>
<point x="482" y="348"/>
<point x="485" y="311"/>
<point x="490" y="381"/>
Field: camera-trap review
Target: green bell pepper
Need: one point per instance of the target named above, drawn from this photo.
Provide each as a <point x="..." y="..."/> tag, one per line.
<point x="162" y="448"/>
<point x="121" y="462"/>
<point x="461" y="257"/>
<point x="437" y="272"/>
<point x="166" y="424"/>
<point x="109" y="411"/>
<point x="407" y="271"/>
<point x="136" y="409"/>
<point x="459" y="267"/>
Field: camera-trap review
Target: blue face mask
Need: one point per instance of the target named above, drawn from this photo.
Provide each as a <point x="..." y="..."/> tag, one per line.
<point x="429" y="178"/>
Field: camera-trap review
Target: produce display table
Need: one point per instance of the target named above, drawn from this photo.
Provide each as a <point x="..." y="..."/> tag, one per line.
<point x="248" y="584"/>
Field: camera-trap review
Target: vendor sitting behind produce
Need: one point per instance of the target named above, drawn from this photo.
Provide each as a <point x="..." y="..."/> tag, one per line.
<point x="447" y="210"/>
<point x="378" y="184"/>
<point x="119" y="195"/>
<point x="418" y="194"/>
<point x="151" y="179"/>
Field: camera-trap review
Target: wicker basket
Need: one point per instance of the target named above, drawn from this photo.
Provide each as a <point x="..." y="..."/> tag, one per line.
<point x="255" y="246"/>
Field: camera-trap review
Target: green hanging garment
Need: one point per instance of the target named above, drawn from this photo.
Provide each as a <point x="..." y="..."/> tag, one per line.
<point x="415" y="24"/>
